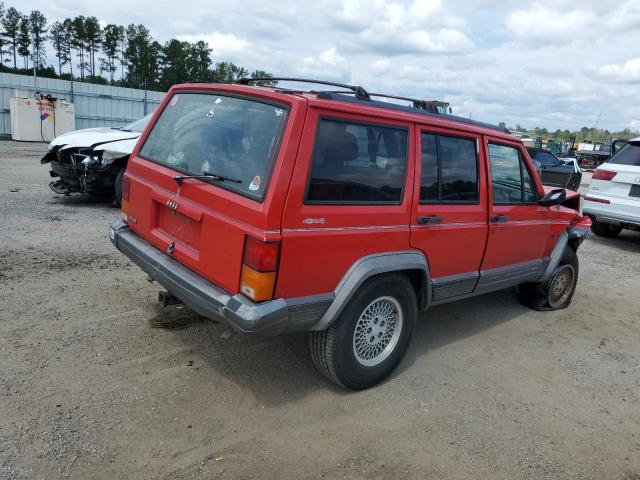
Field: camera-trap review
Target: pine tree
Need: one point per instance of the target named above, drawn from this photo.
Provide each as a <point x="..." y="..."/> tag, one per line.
<point x="110" y="48"/>
<point x="122" y="45"/>
<point x="79" y="42"/>
<point x="38" y="24"/>
<point x="3" y="42"/>
<point x="93" y="32"/>
<point x="24" y="40"/>
<point x="68" y="35"/>
<point x="11" y="30"/>
<point x="59" y="34"/>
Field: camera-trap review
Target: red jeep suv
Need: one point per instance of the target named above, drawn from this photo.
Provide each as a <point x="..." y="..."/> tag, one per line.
<point x="274" y="210"/>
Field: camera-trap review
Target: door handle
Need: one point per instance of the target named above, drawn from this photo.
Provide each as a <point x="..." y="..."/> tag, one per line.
<point x="498" y="218"/>
<point x="427" y="220"/>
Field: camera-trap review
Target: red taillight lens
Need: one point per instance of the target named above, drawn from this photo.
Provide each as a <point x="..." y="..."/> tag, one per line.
<point x="582" y="222"/>
<point x="261" y="256"/>
<point x="606" y="175"/>
<point x="598" y="200"/>
<point x="126" y="186"/>
<point x="260" y="263"/>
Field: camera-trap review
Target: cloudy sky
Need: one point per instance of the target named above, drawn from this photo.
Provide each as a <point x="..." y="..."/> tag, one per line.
<point x="548" y="63"/>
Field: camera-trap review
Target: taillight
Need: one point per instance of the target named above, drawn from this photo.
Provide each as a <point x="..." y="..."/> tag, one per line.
<point x="126" y="187"/>
<point x="581" y="222"/>
<point x="606" y="175"/>
<point x="598" y="200"/>
<point x="259" y="268"/>
<point x="124" y="202"/>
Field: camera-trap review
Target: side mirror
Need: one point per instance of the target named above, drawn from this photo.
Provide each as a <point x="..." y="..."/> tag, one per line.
<point x="554" y="197"/>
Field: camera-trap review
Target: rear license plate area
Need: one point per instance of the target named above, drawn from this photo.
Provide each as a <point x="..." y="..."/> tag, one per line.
<point x="635" y="191"/>
<point x="177" y="226"/>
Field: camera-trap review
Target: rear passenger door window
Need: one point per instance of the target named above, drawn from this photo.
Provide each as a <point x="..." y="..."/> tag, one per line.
<point x="511" y="180"/>
<point x="449" y="169"/>
<point x="357" y="163"/>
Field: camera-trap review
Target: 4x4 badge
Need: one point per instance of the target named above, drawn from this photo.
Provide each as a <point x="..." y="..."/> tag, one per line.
<point x="172" y="205"/>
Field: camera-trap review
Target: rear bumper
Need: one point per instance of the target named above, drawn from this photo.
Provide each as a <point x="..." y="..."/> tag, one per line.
<point x="244" y="316"/>
<point x="618" y="212"/>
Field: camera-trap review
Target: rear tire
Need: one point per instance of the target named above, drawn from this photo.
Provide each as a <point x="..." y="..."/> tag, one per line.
<point x="605" y="229"/>
<point x="117" y="188"/>
<point x="371" y="335"/>
<point x="557" y="292"/>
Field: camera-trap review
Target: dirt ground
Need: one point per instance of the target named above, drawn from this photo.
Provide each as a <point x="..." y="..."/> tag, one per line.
<point x="91" y="388"/>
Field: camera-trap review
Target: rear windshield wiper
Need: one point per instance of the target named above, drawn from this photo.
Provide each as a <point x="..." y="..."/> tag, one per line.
<point x="206" y="176"/>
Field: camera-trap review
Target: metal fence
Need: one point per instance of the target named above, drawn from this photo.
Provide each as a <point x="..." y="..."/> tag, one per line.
<point x="96" y="105"/>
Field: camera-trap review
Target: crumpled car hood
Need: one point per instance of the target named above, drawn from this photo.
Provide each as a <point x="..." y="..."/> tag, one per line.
<point x="120" y="146"/>
<point x="92" y="136"/>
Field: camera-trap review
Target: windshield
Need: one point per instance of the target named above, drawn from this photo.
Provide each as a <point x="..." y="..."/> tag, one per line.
<point x="627" y="155"/>
<point x="199" y="134"/>
<point x="137" y="126"/>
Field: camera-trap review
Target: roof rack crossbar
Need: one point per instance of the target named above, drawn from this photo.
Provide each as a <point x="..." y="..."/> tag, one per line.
<point x="360" y="92"/>
<point x="417" y="103"/>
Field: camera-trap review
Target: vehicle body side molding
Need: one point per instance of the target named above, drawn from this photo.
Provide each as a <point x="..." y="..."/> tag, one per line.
<point x="370" y="266"/>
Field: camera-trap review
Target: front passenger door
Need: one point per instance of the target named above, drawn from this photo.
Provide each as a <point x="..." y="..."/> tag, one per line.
<point x="518" y="226"/>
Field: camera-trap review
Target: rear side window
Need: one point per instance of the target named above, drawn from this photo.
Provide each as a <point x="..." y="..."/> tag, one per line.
<point x="357" y="163"/>
<point x="449" y="169"/>
<point x="627" y="155"/>
<point x="511" y="180"/>
<point x="237" y="138"/>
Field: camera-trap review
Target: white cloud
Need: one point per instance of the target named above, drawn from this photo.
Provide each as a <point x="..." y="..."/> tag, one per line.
<point x="328" y="65"/>
<point x="331" y="57"/>
<point x="421" y="9"/>
<point x="550" y="62"/>
<point x="540" y="25"/>
<point x="223" y="45"/>
<point x="624" y="17"/>
<point x="627" y="72"/>
<point x="380" y="66"/>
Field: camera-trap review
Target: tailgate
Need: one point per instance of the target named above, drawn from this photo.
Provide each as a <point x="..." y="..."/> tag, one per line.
<point x="212" y="169"/>
<point x="195" y="234"/>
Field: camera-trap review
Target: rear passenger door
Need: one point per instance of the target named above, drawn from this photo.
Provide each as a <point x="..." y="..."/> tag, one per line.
<point x="449" y="220"/>
<point x="519" y="227"/>
<point x="350" y="196"/>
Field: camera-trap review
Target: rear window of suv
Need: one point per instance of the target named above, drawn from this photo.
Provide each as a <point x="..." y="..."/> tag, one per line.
<point x="627" y="155"/>
<point x="236" y="138"/>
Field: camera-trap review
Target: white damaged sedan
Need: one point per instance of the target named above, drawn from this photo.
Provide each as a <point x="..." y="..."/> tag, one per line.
<point x="93" y="160"/>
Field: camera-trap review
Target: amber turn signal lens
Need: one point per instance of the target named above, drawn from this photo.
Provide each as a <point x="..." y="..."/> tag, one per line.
<point x="258" y="286"/>
<point x="124" y="210"/>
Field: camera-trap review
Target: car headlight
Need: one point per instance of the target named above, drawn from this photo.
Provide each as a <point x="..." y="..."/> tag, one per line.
<point x="109" y="157"/>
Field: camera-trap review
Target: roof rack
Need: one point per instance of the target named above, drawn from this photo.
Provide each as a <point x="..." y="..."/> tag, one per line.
<point x="429" y="105"/>
<point x="429" y="108"/>
<point x="359" y="92"/>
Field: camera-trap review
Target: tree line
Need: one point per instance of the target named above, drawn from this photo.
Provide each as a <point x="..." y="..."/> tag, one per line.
<point x="585" y="133"/>
<point x="119" y="55"/>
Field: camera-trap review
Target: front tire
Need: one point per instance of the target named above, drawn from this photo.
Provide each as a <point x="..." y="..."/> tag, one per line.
<point x="371" y="336"/>
<point x="557" y="292"/>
